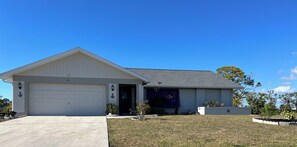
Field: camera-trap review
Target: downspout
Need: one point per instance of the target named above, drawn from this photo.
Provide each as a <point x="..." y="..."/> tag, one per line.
<point x="143" y="84"/>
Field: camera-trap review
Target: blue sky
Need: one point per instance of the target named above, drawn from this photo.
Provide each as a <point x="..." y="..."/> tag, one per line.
<point x="259" y="36"/>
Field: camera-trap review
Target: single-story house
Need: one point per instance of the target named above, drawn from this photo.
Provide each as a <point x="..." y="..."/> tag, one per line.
<point x="77" y="82"/>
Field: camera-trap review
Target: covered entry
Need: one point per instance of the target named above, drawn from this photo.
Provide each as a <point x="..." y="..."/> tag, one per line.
<point x="127" y="99"/>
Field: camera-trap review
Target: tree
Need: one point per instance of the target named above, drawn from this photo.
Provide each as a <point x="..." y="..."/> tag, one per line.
<point x="231" y="73"/>
<point x="5" y="104"/>
<point x="1" y="101"/>
<point x="7" y="108"/>
<point x="238" y="76"/>
<point x="256" y="101"/>
<point x="294" y="99"/>
<point x="287" y="102"/>
<point x="269" y="108"/>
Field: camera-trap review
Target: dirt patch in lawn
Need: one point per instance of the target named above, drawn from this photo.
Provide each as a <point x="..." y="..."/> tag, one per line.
<point x="199" y="131"/>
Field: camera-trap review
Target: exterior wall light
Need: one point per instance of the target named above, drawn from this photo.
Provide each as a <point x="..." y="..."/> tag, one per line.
<point x="20" y="85"/>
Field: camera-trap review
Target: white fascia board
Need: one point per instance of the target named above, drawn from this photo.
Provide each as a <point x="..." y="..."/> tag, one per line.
<point x="9" y="74"/>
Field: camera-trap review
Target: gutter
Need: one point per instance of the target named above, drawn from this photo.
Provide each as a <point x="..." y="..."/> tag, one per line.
<point x="145" y="83"/>
<point x="6" y="81"/>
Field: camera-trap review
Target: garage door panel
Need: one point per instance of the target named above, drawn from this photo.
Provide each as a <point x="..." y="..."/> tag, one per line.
<point x="46" y="103"/>
<point x="42" y="95"/>
<point x="63" y="99"/>
<point x="51" y="112"/>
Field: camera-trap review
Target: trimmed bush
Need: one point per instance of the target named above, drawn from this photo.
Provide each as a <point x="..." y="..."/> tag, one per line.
<point x="111" y="108"/>
<point x="143" y="108"/>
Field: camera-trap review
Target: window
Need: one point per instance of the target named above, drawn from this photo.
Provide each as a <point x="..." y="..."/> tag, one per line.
<point x="163" y="97"/>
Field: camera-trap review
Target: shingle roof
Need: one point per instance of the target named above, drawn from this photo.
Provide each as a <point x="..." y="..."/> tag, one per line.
<point x="184" y="79"/>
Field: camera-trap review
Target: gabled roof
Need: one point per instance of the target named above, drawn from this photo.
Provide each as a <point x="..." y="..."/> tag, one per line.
<point x="8" y="75"/>
<point x="185" y="79"/>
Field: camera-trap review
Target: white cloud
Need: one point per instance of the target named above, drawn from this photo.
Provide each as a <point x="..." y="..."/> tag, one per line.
<point x="294" y="70"/>
<point x="287" y="83"/>
<point x="263" y="90"/>
<point x="293" y="74"/>
<point x="291" y="77"/>
<point x="294" y="54"/>
<point x="269" y="83"/>
<point x="280" y="71"/>
<point x="283" y="89"/>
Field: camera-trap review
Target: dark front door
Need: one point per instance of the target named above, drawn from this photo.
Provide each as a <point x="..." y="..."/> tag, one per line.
<point x="127" y="99"/>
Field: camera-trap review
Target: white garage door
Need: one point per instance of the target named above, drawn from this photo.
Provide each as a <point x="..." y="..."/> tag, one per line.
<point x="64" y="99"/>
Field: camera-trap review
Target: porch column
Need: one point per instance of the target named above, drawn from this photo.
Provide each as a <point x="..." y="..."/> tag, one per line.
<point x="140" y="93"/>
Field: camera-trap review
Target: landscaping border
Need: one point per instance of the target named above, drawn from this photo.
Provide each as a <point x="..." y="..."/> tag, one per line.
<point x="276" y="122"/>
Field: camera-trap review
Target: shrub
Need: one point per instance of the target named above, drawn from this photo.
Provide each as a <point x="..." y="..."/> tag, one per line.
<point x="111" y="108"/>
<point x="284" y="107"/>
<point x="212" y="103"/>
<point x="7" y="108"/>
<point x="268" y="110"/>
<point x="143" y="108"/>
<point x="288" y="115"/>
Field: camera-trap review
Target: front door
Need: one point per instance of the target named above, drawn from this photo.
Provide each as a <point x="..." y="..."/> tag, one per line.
<point x="127" y="99"/>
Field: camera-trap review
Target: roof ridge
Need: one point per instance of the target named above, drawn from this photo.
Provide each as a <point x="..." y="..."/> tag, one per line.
<point x="170" y="69"/>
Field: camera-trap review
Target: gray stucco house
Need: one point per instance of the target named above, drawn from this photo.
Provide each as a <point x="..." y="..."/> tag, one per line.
<point x="77" y="82"/>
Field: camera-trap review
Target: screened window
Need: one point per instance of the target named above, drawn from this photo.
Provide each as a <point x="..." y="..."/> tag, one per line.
<point x="163" y="97"/>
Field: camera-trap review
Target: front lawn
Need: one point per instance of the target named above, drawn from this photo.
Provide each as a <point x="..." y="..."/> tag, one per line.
<point x="199" y="131"/>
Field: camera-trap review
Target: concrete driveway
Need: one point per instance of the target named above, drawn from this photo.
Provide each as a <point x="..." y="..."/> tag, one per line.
<point x="54" y="131"/>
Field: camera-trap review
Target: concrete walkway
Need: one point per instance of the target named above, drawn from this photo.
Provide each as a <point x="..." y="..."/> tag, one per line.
<point x="54" y="131"/>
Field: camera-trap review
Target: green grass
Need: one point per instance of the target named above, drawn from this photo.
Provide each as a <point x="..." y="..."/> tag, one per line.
<point x="199" y="131"/>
